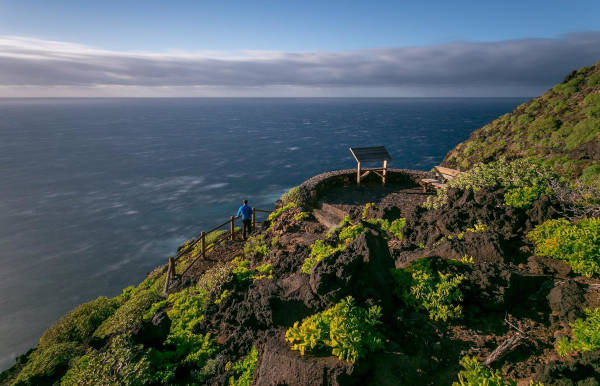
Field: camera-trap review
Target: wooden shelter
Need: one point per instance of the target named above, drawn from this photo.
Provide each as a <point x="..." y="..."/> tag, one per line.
<point x="370" y="155"/>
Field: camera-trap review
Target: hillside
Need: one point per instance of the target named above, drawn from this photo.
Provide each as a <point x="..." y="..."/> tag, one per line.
<point x="494" y="279"/>
<point x="562" y="126"/>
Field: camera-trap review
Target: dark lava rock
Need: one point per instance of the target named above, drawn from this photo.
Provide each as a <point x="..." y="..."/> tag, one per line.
<point x="281" y="366"/>
<point x="361" y="270"/>
<point x="566" y="300"/>
<point x="583" y="370"/>
<point x="153" y="332"/>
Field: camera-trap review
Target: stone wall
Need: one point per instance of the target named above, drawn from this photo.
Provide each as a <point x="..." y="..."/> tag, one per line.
<point x="312" y="189"/>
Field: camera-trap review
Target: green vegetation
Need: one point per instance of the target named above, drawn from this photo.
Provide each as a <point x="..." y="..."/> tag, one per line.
<point x="129" y="316"/>
<point x="243" y="273"/>
<point x="586" y="334"/>
<point x="318" y="251"/>
<point x="525" y="180"/>
<point x="244" y="369"/>
<point x="291" y="196"/>
<point x="256" y="246"/>
<point x="557" y="124"/>
<point x="278" y="212"/>
<point x="48" y="362"/>
<point x="215" y="279"/>
<point x="350" y="233"/>
<point x="475" y="374"/>
<point x="349" y="331"/>
<point x="577" y="243"/>
<point x="395" y="227"/>
<point x="123" y="363"/>
<point x="80" y="324"/>
<point x="301" y="216"/>
<point x="438" y="293"/>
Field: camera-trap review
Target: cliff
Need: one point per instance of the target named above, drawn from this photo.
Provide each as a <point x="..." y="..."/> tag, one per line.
<point x="502" y="266"/>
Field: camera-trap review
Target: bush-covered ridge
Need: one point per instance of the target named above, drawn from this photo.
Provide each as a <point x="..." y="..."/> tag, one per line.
<point x="562" y="127"/>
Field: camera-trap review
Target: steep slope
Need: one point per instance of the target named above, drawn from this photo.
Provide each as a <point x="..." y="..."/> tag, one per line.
<point x="561" y="126"/>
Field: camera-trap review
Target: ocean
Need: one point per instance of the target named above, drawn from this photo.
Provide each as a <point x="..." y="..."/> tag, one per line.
<point x="95" y="193"/>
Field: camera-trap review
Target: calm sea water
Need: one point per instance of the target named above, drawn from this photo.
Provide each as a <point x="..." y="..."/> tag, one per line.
<point x="94" y="193"/>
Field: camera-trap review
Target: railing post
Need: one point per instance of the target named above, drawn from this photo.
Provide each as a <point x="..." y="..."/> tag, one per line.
<point x="231" y="227"/>
<point x="384" y="170"/>
<point x="358" y="174"/>
<point x="203" y="244"/>
<point x="170" y="271"/>
<point x="253" y="217"/>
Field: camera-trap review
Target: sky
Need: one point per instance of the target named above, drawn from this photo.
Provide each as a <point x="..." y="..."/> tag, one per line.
<point x="293" y="48"/>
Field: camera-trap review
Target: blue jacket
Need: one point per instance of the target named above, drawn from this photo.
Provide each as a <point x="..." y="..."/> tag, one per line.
<point x="245" y="211"/>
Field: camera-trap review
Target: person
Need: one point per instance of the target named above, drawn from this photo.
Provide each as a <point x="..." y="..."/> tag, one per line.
<point x="246" y="213"/>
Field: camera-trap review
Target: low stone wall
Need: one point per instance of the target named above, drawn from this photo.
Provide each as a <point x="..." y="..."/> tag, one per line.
<point x="312" y="189"/>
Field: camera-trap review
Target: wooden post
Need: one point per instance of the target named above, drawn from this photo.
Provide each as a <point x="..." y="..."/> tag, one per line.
<point x="170" y="271"/>
<point x="231" y="227"/>
<point x="253" y="218"/>
<point x="203" y="244"/>
<point x="358" y="174"/>
<point x="384" y="170"/>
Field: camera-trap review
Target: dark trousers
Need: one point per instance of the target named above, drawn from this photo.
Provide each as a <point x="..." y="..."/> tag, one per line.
<point x="246" y="227"/>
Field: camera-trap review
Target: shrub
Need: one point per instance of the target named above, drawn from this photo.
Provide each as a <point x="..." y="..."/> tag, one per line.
<point x="278" y="212"/>
<point x="129" y="316"/>
<point x="318" y="251"/>
<point x="291" y="196"/>
<point x="301" y="216"/>
<point x="478" y="227"/>
<point x="48" y="363"/>
<point x="243" y="273"/>
<point x="79" y="324"/>
<point x="578" y="243"/>
<point x="263" y="271"/>
<point x="214" y="280"/>
<point x="241" y="269"/>
<point x="348" y="330"/>
<point x="256" y="246"/>
<point x="437" y="293"/>
<point x="514" y="176"/>
<point x="184" y="344"/>
<point x="123" y="363"/>
<point x="350" y="233"/>
<point x="345" y="222"/>
<point x="395" y="227"/>
<point x="586" y="334"/>
<point x="474" y="373"/>
<point x="244" y="369"/>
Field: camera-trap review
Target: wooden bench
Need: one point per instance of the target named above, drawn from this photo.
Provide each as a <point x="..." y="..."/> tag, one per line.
<point x="442" y="176"/>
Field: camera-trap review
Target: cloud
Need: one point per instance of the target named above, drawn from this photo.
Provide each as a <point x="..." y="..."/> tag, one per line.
<point x="41" y="67"/>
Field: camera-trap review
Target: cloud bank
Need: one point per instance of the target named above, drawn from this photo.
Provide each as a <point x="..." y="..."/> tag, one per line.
<point x="34" y="67"/>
